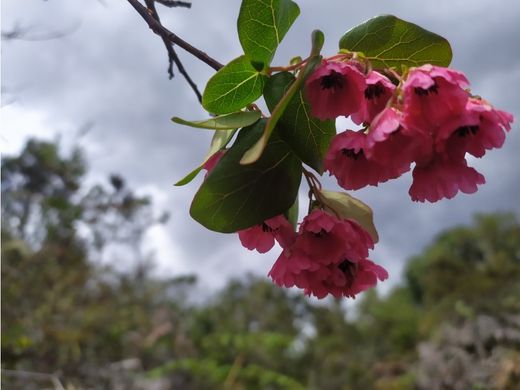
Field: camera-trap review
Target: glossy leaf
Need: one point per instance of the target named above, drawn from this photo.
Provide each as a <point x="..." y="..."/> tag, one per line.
<point x="256" y="150"/>
<point x="233" y="87"/>
<point x="262" y="24"/>
<point x="349" y="207"/>
<point x="388" y="41"/>
<point x="234" y="120"/>
<point x="235" y="197"/>
<point x="219" y="141"/>
<point x="308" y="136"/>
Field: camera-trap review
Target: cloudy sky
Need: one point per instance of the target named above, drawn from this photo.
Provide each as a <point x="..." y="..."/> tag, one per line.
<point x="109" y="71"/>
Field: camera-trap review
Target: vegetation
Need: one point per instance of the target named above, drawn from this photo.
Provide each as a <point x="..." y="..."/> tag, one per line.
<point x="454" y="323"/>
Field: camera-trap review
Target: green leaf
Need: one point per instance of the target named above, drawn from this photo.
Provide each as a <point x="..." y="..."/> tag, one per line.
<point x="233" y="87"/>
<point x="235" y="197"/>
<point x="189" y="177"/>
<point x="347" y="206"/>
<point x="219" y="141"/>
<point x="390" y="42"/>
<point x="292" y="213"/>
<point x="262" y="24"/>
<point x="234" y="120"/>
<point x="308" y="136"/>
<point x="254" y="153"/>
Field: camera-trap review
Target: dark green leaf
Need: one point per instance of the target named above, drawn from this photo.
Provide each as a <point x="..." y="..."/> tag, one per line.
<point x="262" y="24"/>
<point x="235" y="197"/>
<point x="308" y="136"/>
<point x="234" y="120"/>
<point x="219" y="141"/>
<point x="349" y="207"/>
<point x="388" y="41"/>
<point x="233" y="87"/>
<point x="254" y="153"/>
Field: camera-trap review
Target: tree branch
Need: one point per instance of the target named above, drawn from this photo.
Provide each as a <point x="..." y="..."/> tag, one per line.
<point x="173" y="3"/>
<point x="172" y="55"/>
<point x="162" y="31"/>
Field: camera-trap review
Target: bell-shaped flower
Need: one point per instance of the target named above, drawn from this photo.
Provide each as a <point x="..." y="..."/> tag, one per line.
<point x="335" y="89"/>
<point x="379" y="89"/>
<point x="262" y="237"/>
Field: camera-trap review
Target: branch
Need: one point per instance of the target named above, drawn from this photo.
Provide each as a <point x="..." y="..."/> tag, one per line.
<point x="173" y="3"/>
<point x="162" y="31"/>
<point x="172" y="55"/>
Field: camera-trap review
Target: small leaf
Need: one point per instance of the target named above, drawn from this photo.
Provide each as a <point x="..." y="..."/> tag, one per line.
<point x="219" y="141"/>
<point x="390" y="42"/>
<point x="235" y="197"/>
<point x="233" y="87"/>
<point x="292" y="213"/>
<point x="308" y="136"/>
<point x="234" y="120"/>
<point x="317" y="41"/>
<point x="189" y="177"/>
<point x="262" y="24"/>
<point x="349" y="207"/>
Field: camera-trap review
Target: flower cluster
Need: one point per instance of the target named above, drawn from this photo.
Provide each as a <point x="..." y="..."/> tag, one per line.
<point x="328" y="255"/>
<point x="428" y="117"/>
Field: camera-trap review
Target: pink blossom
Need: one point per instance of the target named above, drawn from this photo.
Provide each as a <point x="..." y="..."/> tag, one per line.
<point x="340" y="279"/>
<point x="351" y="159"/>
<point x="443" y="177"/>
<point x="389" y="145"/>
<point x="289" y="269"/>
<point x="261" y="237"/>
<point x="479" y="128"/>
<point x="329" y="256"/>
<point x="377" y="93"/>
<point x="325" y="238"/>
<point x="334" y="89"/>
<point x="346" y="279"/>
<point x="432" y="96"/>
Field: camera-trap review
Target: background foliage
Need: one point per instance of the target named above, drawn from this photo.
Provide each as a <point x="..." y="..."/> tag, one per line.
<point x="453" y="322"/>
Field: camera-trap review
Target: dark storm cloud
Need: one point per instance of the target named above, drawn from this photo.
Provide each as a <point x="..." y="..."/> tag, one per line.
<point x="112" y="71"/>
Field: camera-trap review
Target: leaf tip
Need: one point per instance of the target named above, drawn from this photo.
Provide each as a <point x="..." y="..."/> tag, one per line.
<point x="253" y="154"/>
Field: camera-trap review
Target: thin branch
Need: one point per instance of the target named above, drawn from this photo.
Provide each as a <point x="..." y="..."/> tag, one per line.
<point x="185" y="74"/>
<point x="162" y="31"/>
<point x="173" y="3"/>
<point x="172" y="55"/>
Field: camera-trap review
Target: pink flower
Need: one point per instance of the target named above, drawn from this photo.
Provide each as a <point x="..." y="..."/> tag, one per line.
<point x="346" y="279"/>
<point x="334" y="89"/>
<point x="389" y="145"/>
<point x="479" y="128"/>
<point x="261" y="237"/>
<point x="325" y="238"/>
<point x="329" y="256"/>
<point x="377" y="93"/>
<point x="433" y="95"/>
<point x="443" y="177"/>
<point x="211" y="163"/>
<point x="357" y="159"/>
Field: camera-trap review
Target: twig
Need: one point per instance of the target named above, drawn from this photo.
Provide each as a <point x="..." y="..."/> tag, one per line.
<point x="162" y="31"/>
<point x="314" y="189"/>
<point x="173" y="3"/>
<point x="172" y="55"/>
